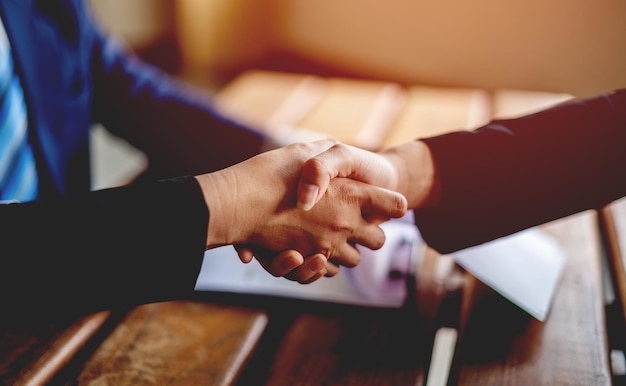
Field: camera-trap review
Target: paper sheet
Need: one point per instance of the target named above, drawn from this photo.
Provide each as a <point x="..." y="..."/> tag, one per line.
<point x="524" y="267"/>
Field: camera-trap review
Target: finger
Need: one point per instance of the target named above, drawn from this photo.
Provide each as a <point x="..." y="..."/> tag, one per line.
<point x="331" y="269"/>
<point x="374" y="218"/>
<point x="287" y="261"/>
<point x="347" y="255"/>
<point x="313" y="182"/>
<point x="313" y="278"/>
<point x="281" y="264"/>
<point x="313" y="266"/>
<point x="320" y="169"/>
<point x="369" y="235"/>
<point x="381" y="202"/>
<point x="245" y="255"/>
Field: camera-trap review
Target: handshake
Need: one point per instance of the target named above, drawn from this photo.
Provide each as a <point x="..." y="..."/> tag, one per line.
<point x="302" y="209"/>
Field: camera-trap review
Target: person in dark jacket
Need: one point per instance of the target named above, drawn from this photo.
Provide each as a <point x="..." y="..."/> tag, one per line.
<point x="470" y="187"/>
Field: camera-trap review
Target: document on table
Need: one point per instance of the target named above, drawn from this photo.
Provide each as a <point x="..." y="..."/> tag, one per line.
<point x="524" y="267"/>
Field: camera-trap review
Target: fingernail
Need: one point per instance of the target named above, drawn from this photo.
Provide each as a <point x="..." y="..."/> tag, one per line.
<point x="317" y="265"/>
<point x="307" y="196"/>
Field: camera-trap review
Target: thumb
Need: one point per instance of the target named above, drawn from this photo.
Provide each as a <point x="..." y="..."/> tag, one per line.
<point x="314" y="180"/>
<point x="342" y="161"/>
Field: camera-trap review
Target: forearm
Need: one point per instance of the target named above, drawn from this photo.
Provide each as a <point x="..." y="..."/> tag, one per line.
<point x="514" y="174"/>
<point x="111" y="248"/>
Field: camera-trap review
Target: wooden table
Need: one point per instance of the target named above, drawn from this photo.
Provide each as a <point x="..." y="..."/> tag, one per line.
<point x="612" y="221"/>
<point x="453" y="328"/>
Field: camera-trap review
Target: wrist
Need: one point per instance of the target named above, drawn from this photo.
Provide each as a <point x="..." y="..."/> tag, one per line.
<point x="417" y="177"/>
<point x="219" y="200"/>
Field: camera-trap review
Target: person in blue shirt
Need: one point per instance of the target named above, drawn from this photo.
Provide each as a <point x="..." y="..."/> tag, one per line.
<point x="78" y="250"/>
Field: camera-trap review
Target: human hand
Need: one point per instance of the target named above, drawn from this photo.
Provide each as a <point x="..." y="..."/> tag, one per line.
<point x="408" y="169"/>
<point x="337" y="161"/>
<point x="253" y="205"/>
<point x="292" y="265"/>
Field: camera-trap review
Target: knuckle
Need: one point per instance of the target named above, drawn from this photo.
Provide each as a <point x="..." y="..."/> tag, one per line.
<point x="317" y="166"/>
<point x="333" y="142"/>
<point x="342" y="226"/>
<point x="299" y="146"/>
<point x="339" y="147"/>
<point x="344" y="191"/>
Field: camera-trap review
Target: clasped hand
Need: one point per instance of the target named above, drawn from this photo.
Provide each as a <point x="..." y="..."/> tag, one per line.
<point x="253" y="206"/>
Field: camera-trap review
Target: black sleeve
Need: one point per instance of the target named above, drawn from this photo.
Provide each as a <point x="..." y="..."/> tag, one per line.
<point x="514" y="174"/>
<point x="105" y="249"/>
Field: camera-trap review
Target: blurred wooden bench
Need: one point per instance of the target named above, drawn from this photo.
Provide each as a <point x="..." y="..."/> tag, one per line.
<point x="237" y="340"/>
<point x="613" y="232"/>
<point x="365" y="113"/>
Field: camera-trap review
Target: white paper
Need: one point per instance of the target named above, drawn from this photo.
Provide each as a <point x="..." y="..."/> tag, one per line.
<point x="524" y="267"/>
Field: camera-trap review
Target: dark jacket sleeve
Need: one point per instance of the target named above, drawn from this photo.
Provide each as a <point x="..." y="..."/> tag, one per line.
<point x="514" y="174"/>
<point x="177" y="126"/>
<point x="105" y="249"/>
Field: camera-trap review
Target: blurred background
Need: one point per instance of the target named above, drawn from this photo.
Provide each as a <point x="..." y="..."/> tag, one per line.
<point x="571" y="46"/>
<point x="563" y="46"/>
